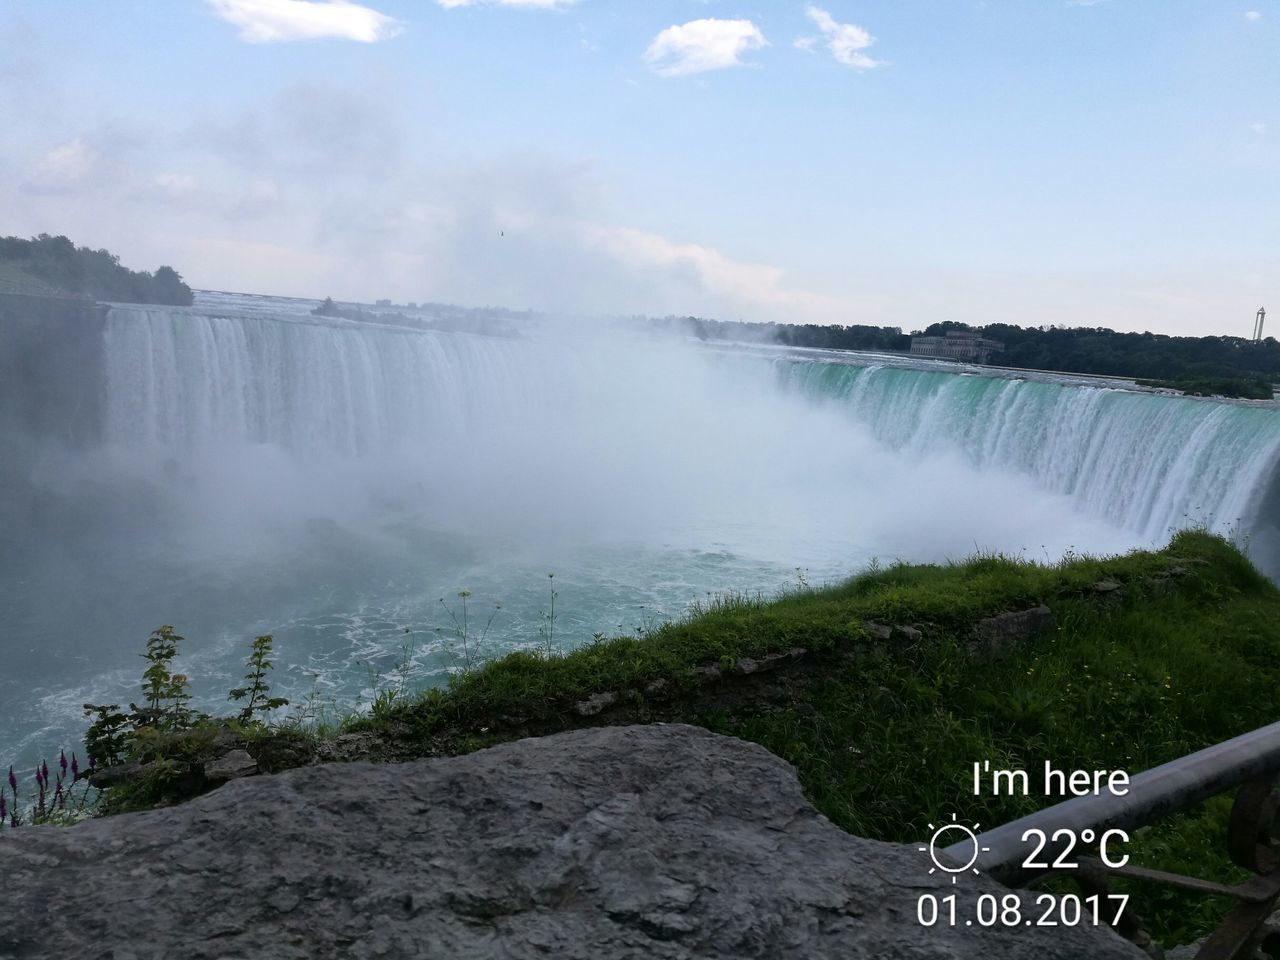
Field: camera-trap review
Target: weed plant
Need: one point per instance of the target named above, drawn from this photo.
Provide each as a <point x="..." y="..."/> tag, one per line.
<point x="257" y="692"/>
<point x="460" y="629"/>
<point x="547" y="631"/>
<point x="66" y="798"/>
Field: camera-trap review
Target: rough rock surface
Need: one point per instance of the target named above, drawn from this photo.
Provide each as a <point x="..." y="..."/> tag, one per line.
<point x="877" y="631"/>
<point x="235" y="763"/>
<point x="616" y="842"/>
<point x="1003" y="632"/>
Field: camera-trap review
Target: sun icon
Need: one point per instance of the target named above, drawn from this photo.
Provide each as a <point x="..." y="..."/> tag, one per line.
<point x="940" y="841"/>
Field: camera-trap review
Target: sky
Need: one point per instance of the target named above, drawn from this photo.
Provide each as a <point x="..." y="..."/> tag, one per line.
<point x="892" y="162"/>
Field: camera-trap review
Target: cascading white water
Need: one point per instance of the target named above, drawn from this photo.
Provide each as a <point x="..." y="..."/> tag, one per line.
<point x="1149" y="462"/>
<point x="177" y="381"/>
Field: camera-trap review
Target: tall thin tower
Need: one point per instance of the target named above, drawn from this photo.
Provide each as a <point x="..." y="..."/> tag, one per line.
<point x="1257" y="324"/>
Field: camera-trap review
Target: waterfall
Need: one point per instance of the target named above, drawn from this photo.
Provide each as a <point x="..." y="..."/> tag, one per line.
<point x="177" y="380"/>
<point x="1146" y="461"/>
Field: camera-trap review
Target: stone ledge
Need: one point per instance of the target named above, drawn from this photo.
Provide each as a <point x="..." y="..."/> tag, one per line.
<point x="660" y="841"/>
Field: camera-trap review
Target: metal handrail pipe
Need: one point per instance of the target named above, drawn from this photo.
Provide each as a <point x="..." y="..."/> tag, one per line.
<point x="1152" y="794"/>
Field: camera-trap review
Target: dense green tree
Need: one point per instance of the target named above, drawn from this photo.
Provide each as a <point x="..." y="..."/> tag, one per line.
<point x="59" y="263"/>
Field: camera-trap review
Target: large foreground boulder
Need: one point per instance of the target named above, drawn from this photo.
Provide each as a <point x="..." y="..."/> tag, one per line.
<point x="618" y="842"/>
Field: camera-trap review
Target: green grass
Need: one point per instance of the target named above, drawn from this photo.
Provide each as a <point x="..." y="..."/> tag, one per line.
<point x="1251" y="388"/>
<point x="884" y="735"/>
<point x="13" y="277"/>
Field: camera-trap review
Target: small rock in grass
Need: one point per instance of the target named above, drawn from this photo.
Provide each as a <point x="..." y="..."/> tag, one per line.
<point x="236" y="763"/>
<point x="595" y="703"/>
<point x="998" y="634"/>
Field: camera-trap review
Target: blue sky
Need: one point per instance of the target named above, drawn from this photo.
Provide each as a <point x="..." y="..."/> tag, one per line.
<point x="895" y="162"/>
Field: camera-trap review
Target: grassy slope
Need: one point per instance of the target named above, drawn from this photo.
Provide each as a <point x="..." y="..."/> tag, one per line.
<point x="884" y="734"/>
<point x="13" y="276"/>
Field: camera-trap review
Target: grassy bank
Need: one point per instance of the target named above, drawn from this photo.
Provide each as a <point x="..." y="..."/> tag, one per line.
<point x="883" y="692"/>
<point x="1248" y="388"/>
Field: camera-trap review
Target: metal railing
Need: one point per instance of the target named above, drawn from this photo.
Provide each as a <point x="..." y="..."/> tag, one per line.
<point x="1250" y="762"/>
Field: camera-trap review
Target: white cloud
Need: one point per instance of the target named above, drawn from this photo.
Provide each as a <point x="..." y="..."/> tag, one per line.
<point x="846" y="41"/>
<point x="1085" y="3"/>
<point x="176" y="184"/>
<point x="754" y="288"/>
<point x="701" y="45"/>
<point x="527" y="4"/>
<point x="1259" y="128"/>
<point x="321" y="190"/>
<point x="1254" y="15"/>
<point x="277" y="21"/>
<point x="63" y="168"/>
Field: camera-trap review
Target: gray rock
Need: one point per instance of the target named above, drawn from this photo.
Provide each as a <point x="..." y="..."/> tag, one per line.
<point x="1001" y="633"/>
<point x="349" y="746"/>
<point x="617" y="842"/>
<point x="113" y="776"/>
<point x="909" y="633"/>
<point x="1191" y="950"/>
<point x="234" y="763"/>
<point x="595" y="703"/>
<point x="877" y="631"/>
<point x="1107" y="586"/>
<point x="707" y="672"/>
<point x="771" y="661"/>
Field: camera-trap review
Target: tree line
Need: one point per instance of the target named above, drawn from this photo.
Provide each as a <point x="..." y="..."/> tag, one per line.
<point x="827" y="337"/>
<point x="59" y="263"/>
<point x="1097" y="350"/>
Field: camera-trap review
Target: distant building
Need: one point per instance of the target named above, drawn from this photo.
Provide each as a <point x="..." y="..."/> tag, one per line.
<point x="382" y="303"/>
<point x="968" y="345"/>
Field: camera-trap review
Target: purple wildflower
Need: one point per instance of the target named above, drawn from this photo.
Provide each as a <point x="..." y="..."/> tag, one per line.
<point x="13" y="781"/>
<point x="44" y="769"/>
<point x="62" y="762"/>
<point x="4" y="808"/>
<point x="75" y="768"/>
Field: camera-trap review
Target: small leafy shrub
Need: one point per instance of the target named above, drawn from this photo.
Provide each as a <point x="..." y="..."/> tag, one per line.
<point x="114" y="737"/>
<point x="258" y="692"/>
<point x="164" y="740"/>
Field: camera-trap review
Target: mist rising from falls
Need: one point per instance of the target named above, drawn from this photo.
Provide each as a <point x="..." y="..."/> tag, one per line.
<point x="561" y="437"/>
